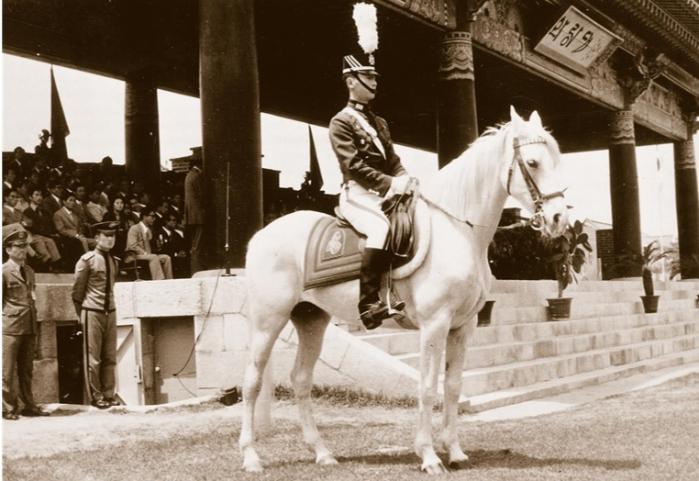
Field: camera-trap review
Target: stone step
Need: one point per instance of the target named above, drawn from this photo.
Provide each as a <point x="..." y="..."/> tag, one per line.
<point x="514" y="315"/>
<point x="524" y="299"/>
<point x="398" y="341"/>
<point x="489" y="379"/>
<point x="508" y="353"/>
<point x="549" y="286"/>
<point x="506" y="397"/>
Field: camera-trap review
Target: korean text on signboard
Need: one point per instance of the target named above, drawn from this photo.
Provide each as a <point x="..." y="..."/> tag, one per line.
<point x="575" y="40"/>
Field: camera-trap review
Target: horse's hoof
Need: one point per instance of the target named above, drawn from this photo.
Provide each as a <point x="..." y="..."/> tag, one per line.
<point x="434" y="468"/>
<point x="326" y="460"/>
<point x="252" y="467"/>
<point x="460" y="464"/>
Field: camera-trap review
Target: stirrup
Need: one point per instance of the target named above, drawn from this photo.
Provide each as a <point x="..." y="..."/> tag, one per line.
<point x="374" y="315"/>
<point x="394" y="308"/>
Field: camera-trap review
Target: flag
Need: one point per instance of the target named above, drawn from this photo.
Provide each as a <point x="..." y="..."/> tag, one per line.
<point x="316" y="177"/>
<point x="59" y="125"/>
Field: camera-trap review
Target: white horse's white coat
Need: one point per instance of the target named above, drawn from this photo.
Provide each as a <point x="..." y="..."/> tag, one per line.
<point x="443" y="295"/>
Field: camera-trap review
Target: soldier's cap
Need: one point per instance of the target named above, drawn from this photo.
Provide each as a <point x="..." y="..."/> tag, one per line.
<point x="15" y="238"/>
<point x="106" y="227"/>
<point x="358" y="63"/>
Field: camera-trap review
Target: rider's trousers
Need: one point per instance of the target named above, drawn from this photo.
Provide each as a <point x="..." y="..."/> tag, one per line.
<point x="362" y="208"/>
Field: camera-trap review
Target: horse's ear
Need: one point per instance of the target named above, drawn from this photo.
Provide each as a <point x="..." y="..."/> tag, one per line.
<point x="516" y="120"/>
<point x="535" y="120"/>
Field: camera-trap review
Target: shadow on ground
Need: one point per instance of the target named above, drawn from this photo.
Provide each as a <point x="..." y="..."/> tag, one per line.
<point x="502" y="458"/>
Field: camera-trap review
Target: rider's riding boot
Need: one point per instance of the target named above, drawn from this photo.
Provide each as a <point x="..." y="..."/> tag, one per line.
<point x="371" y="309"/>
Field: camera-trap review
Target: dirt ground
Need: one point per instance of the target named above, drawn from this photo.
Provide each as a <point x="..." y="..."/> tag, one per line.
<point x="644" y="435"/>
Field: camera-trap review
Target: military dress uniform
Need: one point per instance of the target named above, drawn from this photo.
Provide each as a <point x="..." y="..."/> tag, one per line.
<point x="19" y="329"/>
<point x="369" y="164"/>
<point x="93" y="296"/>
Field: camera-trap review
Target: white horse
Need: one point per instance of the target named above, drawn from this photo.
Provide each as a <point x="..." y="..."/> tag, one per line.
<point x="465" y="200"/>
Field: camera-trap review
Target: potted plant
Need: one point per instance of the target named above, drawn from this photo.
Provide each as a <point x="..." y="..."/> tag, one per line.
<point x="652" y="253"/>
<point x="568" y="258"/>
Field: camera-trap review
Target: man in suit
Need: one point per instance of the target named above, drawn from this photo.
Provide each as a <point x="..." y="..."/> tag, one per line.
<point x="170" y="241"/>
<point x="93" y="298"/>
<point x="138" y="241"/>
<point x="10" y="215"/>
<point x="194" y="213"/>
<point x="19" y="328"/>
<point x="68" y="223"/>
<point x="371" y="172"/>
<point x="52" y="202"/>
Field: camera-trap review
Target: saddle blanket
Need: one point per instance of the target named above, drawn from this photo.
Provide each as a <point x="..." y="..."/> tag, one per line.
<point x="333" y="254"/>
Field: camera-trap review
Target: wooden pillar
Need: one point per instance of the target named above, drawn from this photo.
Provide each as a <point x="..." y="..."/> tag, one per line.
<point x="687" y="201"/>
<point x="142" y="131"/>
<point x="457" y="123"/>
<point x="623" y="182"/>
<point x="229" y="90"/>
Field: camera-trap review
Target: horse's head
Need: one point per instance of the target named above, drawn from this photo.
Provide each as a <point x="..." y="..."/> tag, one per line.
<point x="532" y="173"/>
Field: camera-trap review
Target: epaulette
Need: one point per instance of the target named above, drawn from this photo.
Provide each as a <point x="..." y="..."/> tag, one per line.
<point x="87" y="256"/>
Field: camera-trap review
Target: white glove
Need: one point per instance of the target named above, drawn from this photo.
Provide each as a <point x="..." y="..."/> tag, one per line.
<point x="398" y="185"/>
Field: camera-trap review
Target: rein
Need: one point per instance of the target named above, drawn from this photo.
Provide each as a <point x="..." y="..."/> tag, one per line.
<point x="534" y="191"/>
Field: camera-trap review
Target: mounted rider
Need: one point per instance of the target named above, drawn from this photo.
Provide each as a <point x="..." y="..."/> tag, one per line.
<point x="371" y="170"/>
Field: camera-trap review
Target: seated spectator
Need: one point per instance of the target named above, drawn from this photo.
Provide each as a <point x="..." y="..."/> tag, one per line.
<point x="81" y="206"/>
<point x="42" y="230"/>
<point x="105" y="172"/>
<point x="105" y="190"/>
<point x="139" y="242"/>
<point x="118" y="214"/>
<point x="171" y="241"/>
<point x="161" y="211"/>
<point x="21" y="204"/>
<point x="41" y="249"/>
<point x="53" y="202"/>
<point x="134" y="208"/>
<point x="68" y="225"/>
<point x="19" y="162"/>
<point x="177" y="205"/>
<point x="94" y="209"/>
<point x="10" y="178"/>
<point x="42" y="224"/>
<point x="34" y="181"/>
<point x="10" y="215"/>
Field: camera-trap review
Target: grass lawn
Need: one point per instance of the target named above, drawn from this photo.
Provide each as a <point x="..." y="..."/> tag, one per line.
<point x="649" y="435"/>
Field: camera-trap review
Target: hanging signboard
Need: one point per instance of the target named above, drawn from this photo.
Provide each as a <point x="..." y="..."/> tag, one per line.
<point x="576" y="41"/>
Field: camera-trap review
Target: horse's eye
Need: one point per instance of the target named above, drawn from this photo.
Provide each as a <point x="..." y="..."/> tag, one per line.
<point x="532" y="163"/>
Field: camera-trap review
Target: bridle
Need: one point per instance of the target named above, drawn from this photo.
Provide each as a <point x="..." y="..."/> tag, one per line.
<point x="537" y="197"/>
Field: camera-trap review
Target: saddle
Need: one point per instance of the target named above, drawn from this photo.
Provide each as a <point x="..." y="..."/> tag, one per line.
<point x="334" y="249"/>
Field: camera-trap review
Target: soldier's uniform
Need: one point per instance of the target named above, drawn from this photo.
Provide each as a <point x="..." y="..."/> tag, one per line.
<point x="370" y="166"/>
<point x="93" y="296"/>
<point x="19" y="329"/>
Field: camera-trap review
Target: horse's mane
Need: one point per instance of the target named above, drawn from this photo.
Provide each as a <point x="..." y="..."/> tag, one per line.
<point x="464" y="187"/>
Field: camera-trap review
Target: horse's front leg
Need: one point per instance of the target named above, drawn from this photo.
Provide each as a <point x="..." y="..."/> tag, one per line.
<point x="432" y="339"/>
<point x="455" y="357"/>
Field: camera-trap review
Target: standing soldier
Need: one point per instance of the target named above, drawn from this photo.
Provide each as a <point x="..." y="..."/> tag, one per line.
<point x="19" y="328"/>
<point x="371" y="170"/>
<point x="93" y="296"/>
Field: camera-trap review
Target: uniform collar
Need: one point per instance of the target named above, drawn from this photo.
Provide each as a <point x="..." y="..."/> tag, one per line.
<point x="13" y="265"/>
<point x="359" y="106"/>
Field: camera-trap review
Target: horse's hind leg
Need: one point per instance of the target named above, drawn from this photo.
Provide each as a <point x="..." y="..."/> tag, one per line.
<point x="310" y="323"/>
<point x="456" y="354"/>
<point x="262" y="339"/>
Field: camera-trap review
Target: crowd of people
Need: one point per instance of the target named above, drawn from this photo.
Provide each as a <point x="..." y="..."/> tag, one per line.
<point x="57" y="202"/>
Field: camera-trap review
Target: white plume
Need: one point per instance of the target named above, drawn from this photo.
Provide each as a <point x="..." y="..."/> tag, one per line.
<point x="364" y="16"/>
